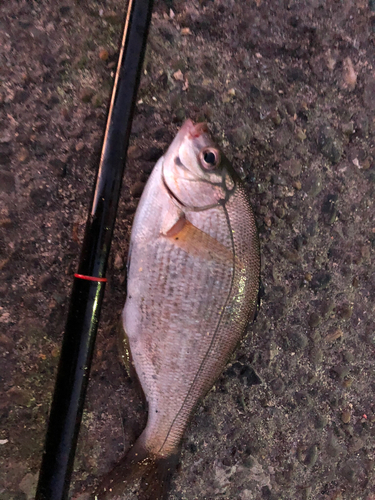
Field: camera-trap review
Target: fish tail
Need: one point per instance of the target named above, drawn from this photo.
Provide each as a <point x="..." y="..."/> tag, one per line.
<point x="156" y="480"/>
<point x="154" y="473"/>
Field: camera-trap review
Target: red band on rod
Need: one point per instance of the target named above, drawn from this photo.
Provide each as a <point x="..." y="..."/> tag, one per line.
<point x="90" y="278"/>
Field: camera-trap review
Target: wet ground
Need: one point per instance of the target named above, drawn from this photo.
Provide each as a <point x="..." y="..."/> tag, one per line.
<point x="288" y="88"/>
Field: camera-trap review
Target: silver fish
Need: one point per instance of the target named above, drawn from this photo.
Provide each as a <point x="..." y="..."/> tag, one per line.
<point x="193" y="282"/>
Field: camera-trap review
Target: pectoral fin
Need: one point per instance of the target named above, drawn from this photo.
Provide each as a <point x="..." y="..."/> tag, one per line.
<point x="194" y="241"/>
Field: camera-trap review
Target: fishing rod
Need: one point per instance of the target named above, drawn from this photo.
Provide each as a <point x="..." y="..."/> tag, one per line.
<point x="89" y="281"/>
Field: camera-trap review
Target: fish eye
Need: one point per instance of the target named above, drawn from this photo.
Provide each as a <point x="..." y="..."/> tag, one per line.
<point x="209" y="158"/>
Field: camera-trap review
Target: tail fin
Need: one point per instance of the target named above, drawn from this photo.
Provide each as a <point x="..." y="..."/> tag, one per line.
<point x="155" y="474"/>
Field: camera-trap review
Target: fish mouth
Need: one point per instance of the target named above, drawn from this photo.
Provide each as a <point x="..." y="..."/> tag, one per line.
<point x="194" y="130"/>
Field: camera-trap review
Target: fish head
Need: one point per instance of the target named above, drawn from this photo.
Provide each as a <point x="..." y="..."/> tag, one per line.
<point x="195" y="172"/>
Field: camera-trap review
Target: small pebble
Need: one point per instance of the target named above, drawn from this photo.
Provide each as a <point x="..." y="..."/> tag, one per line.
<point x="313" y="184"/>
<point x="311" y="456"/>
<point x="298" y="340"/>
<point x="79" y="146"/>
<point x="366" y="252"/>
<point x="293" y="167"/>
<point x="366" y="164"/>
<point x="348" y="128"/>
<point x="356" y="444"/>
<point x="276" y="118"/>
<point x="118" y="262"/>
<point x="65" y="113"/>
<point x="292" y="256"/>
<point x="292" y="216"/>
<point x="23" y="155"/>
<point x="346" y="311"/>
<point x="178" y="75"/>
<point x="289" y="105"/>
<point x="268" y="221"/>
<point x="331" y="337"/>
<point x="329" y="144"/>
<point x="55" y="352"/>
<point x="280" y="212"/>
<point x="185" y="31"/>
<point x="345" y="416"/>
<point x="300" y="134"/>
<point x="103" y="54"/>
<point x="314" y="320"/>
<point x="349" y="74"/>
<point x="298" y="242"/>
<point x="277" y="386"/>
<point x="5" y="137"/>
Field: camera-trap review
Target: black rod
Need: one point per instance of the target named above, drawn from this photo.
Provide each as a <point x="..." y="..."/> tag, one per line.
<point x="89" y="283"/>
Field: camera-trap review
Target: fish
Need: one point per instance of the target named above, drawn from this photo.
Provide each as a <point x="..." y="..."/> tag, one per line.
<point x="192" y="288"/>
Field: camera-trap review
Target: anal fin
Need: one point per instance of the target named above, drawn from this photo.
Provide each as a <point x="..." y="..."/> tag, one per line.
<point x="127" y="359"/>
